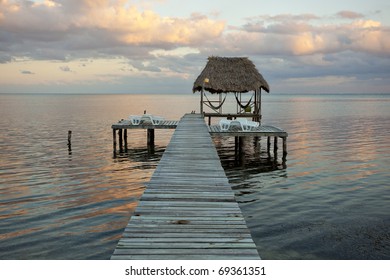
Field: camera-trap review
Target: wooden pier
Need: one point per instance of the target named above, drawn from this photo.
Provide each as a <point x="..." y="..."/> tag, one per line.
<point x="188" y="210"/>
<point x="122" y="126"/>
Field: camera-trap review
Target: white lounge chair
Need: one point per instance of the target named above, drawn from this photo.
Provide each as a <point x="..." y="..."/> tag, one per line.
<point x="247" y="125"/>
<point x="224" y="124"/>
<point x="135" y="120"/>
<point x="155" y="120"/>
<point x="146" y="118"/>
<point x="244" y="123"/>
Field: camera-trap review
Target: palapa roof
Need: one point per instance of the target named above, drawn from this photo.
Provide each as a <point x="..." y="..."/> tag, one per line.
<point x="230" y="74"/>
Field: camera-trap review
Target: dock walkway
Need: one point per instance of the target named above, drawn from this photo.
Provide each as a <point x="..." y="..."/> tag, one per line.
<point x="188" y="210"/>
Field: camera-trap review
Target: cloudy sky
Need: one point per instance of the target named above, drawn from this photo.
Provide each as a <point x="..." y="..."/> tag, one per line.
<point x="160" y="46"/>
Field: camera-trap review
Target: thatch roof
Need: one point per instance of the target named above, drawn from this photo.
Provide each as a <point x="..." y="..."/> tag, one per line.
<point x="230" y="74"/>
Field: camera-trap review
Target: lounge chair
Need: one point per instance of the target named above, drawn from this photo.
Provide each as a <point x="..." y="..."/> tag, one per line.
<point x="224" y="124"/>
<point x="247" y="125"/>
<point x="155" y="120"/>
<point x="146" y="118"/>
<point x="241" y="122"/>
<point x="135" y="120"/>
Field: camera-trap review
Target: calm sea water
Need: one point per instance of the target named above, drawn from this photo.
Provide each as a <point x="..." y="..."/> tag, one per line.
<point x="330" y="200"/>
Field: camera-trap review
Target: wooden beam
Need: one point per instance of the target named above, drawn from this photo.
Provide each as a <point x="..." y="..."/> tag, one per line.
<point x="150" y="137"/>
<point x="284" y="147"/>
<point x="120" y="134"/>
<point x="275" y="146"/>
<point x="125" y="139"/>
<point x="114" y="141"/>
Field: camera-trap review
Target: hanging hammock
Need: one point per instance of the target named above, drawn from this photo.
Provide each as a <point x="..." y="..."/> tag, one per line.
<point x="215" y="107"/>
<point x="239" y="103"/>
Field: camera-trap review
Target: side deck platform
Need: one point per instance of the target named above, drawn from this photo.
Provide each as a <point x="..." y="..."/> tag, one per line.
<point x="126" y="124"/>
<point x="188" y="210"/>
<point x="268" y="131"/>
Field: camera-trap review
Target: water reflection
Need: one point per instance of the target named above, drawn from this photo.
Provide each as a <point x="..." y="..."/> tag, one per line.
<point x="331" y="201"/>
<point x="149" y="154"/>
<point x="248" y="154"/>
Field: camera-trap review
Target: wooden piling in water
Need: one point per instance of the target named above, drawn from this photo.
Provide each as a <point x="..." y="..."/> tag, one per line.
<point x="69" y="140"/>
<point x="275" y="146"/>
<point x="150" y="137"/>
<point x="120" y="135"/>
<point x="125" y="139"/>
<point x="114" y="141"/>
<point x="284" y="148"/>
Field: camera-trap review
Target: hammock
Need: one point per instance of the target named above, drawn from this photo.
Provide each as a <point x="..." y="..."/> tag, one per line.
<point x="239" y="103"/>
<point x="215" y="107"/>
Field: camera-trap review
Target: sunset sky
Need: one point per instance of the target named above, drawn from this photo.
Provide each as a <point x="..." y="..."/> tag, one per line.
<point x="119" y="46"/>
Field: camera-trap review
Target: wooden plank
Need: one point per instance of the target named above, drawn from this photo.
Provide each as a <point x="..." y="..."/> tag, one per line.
<point x="184" y="252"/>
<point x="191" y="240"/>
<point x="185" y="257"/>
<point x="169" y="245"/>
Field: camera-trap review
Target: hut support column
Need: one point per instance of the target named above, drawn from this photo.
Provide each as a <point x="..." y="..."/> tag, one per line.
<point x="201" y="102"/>
<point x="259" y="105"/>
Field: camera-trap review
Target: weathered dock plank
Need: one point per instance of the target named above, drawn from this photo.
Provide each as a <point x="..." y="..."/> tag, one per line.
<point x="188" y="210"/>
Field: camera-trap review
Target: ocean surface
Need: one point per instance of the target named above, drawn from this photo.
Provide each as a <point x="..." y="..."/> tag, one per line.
<point x="329" y="200"/>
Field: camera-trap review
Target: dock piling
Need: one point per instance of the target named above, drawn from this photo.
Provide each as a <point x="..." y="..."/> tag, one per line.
<point x="114" y="141"/>
<point x="69" y="140"/>
<point x="125" y="139"/>
<point x="150" y="137"/>
<point x="120" y="135"/>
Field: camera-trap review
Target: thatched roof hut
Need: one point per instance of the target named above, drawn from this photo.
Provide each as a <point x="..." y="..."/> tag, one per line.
<point x="230" y="74"/>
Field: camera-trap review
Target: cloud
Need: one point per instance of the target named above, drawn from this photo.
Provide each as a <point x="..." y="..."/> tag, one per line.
<point x="307" y="34"/>
<point x="129" y="42"/>
<point x="26" y="72"/>
<point x="349" y="15"/>
<point x="60" y="29"/>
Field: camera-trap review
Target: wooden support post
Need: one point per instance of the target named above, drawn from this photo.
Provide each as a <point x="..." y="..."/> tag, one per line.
<point x="275" y="147"/>
<point x="268" y="144"/>
<point x="150" y="140"/>
<point x="114" y="141"/>
<point x="256" y="142"/>
<point x="125" y="140"/>
<point x="69" y="140"/>
<point x="241" y="148"/>
<point x="284" y="148"/>
<point x="150" y="136"/>
<point x="120" y="133"/>
<point x="201" y="100"/>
